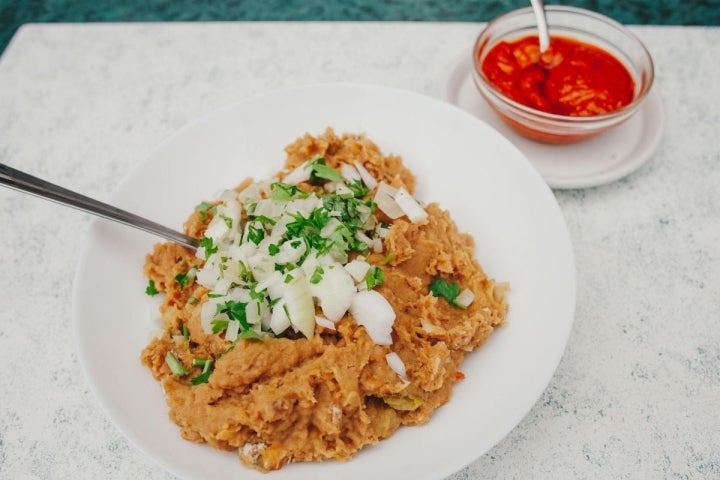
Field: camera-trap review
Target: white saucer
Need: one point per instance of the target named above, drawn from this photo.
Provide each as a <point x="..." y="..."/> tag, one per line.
<point x="596" y="161"/>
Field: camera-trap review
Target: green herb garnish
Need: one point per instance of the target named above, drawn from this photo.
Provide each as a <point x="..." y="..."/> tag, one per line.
<point x="207" y="244"/>
<point x="176" y="366"/>
<point x="151" y="289"/>
<point x="206" y="365"/>
<point x="255" y="234"/>
<point x="185" y="332"/>
<point x="182" y="279"/>
<point x="317" y="275"/>
<point x="374" y="278"/>
<point x="282" y="192"/>
<point x="204" y="208"/>
<point x="235" y="311"/>
<point x="448" y="290"/>
<point x="320" y="171"/>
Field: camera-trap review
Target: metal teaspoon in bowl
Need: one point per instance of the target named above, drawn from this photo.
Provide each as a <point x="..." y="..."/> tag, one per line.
<point x="26" y="183"/>
<point x="542" y="26"/>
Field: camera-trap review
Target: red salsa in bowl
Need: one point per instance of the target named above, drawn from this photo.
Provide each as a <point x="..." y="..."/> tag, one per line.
<point x="593" y="76"/>
<point x="570" y="78"/>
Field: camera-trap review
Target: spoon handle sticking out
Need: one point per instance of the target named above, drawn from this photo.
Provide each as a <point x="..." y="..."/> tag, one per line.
<point x="541" y="19"/>
<point x="23" y="182"/>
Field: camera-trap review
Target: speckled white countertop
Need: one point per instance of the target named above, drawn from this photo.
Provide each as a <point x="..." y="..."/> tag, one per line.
<point x="637" y="393"/>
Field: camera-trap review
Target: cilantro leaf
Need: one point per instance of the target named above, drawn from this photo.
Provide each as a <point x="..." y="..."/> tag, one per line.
<point x="320" y="171"/>
<point x="204" y="208"/>
<point x="374" y="278"/>
<point x="235" y="311"/>
<point x="182" y="279"/>
<point x="219" y="325"/>
<point x="207" y="244"/>
<point x="255" y="234"/>
<point x="317" y="275"/>
<point x="448" y="290"/>
<point x="151" y="289"/>
<point x="282" y="192"/>
<point x="250" y="335"/>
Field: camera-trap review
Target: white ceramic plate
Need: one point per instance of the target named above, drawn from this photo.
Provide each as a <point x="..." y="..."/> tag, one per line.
<point x="596" y="161"/>
<point x="487" y="184"/>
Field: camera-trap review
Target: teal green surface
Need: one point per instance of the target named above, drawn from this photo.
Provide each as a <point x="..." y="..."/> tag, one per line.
<point x="14" y="13"/>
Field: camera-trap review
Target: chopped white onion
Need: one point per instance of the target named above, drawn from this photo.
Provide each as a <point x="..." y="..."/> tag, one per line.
<point x="357" y="269"/>
<point x="300" y="174"/>
<point x="377" y="245"/>
<point x="396" y="363"/>
<point x="366" y="176"/>
<point x="343" y="190"/>
<point x="430" y="327"/>
<point x="350" y="172"/>
<point x="374" y="312"/>
<point x="299" y="304"/>
<point x="410" y="206"/>
<point x="217" y="228"/>
<point x="268" y="282"/>
<point x="324" y="322"/>
<point x="232" y="331"/>
<point x="253" y="311"/>
<point x="334" y="291"/>
<point x="359" y="235"/>
<point x="279" y="321"/>
<point x="465" y="298"/>
<point x="385" y="200"/>
<point x="330" y="227"/>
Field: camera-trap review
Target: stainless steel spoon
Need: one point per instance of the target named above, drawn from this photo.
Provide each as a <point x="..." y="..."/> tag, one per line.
<point x="23" y="182"/>
<point x="542" y="26"/>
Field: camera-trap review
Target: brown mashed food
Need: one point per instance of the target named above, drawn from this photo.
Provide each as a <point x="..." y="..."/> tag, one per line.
<point x="297" y="399"/>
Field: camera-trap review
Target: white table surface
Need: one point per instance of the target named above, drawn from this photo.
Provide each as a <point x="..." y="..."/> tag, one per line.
<point x="637" y="393"/>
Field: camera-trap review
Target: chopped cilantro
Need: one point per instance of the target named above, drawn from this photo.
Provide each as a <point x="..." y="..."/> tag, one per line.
<point x="176" y="366"/>
<point x="282" y="192"/>
<point x="182" y="279"/>
<point x="245" y="273"/>
<point x="320" y="171"/>
<point x="185" y="332"/>
<point x="358" y="188"/>
<point x="374" y="278"/>
<point x="288" y="278"/>
<point x="219" y="325"/>
<point x="235" y="311"/>
<point x="206" y="365"/>
<point x="273" y="249"/>
<point x="192" y="301"/>
<point x="250" y="335"/>
<point x="151" y="289"/>
<point x="255" y="234"/>
<point x="448" y="290"/>
<point x="207" y="244"/>
<point x="265" y="220"/>
<point x="317" y="275"/>
<point x="388" y="258"/>
<point x="203" y="208"/>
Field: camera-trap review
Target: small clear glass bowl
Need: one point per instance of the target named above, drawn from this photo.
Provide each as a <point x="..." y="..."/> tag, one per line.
<point x="579" y="24"/>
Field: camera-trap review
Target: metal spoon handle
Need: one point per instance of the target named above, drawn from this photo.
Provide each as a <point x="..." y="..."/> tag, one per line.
<point x="27" y="183"/>
<point x="541" y="19"/>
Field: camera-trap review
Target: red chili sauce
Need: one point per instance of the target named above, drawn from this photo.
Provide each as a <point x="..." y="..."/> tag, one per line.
<point x="572" y="78"/>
